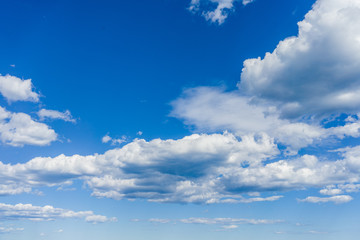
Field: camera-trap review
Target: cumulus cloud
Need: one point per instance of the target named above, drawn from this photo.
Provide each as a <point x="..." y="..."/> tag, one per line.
<point x="316" y="73"/>
<point x="212" y="109"/>
<point x="46" y="213"/>
<point x="18" y="129"/>
<point x="335" y="199"/>
<point x="16" y="89"/>
<point x="216" y="168"/>
<point x="215" y="11"/>
<point x="53" y="114"/>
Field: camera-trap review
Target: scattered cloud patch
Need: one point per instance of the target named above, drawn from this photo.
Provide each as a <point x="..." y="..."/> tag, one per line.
<point x="335" y="199"/>
<point x="229" y="221"/>
<point x="10" y="229"/>
<point x="47" y="213"/>
<point x="113" y="141"/>
<point x="53" y="114"/>
<point x="215" y="11"/>
<point x="16" y="89"/>
<point x="18" y="129"/>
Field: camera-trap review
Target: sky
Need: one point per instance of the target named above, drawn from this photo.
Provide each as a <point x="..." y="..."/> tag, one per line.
<point x="180" y="119"/>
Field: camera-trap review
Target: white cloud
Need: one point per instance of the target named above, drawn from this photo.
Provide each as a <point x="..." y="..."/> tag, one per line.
<point x="159" y="220"/>
<point x="318" y="71"/>
<point x="53" y="114"/>
<point x="228" y="221"/>
<point x="335" y="199"/>
<point x="113" y="141"/>
<point x="215" y="11"/>
<point x="216" y="168"/>
<point x="18" y="129"/>
<point x="212" y="109"/>
<point x="16" y="89"/>
<point x="46" y="213"/>
<point x="331" y="190"/>
<point x="10" y="229"/>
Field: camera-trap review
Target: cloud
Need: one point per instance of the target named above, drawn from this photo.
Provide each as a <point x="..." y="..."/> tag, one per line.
<point x="10" y="229"/>
<point x="316" y="73"/>
<point x="215" y="11"/>
<point x="228" y="221"/>
<point x="18" y="129"/>
<point x="113" y="141"/>
<point x="16" y="89"/>
<point x="46" y="213"/>
<point x="212" y="109"/>
<point x="335" y="199"/>
<point x="53" y="114"/>
<point x="215" y="168"/>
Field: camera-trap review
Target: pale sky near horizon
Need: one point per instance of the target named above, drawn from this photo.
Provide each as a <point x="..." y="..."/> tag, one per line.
<point x="180" y="119"/>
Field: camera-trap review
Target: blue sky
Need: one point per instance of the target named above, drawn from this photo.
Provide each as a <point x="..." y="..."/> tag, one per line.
<point x="197" y="119"/>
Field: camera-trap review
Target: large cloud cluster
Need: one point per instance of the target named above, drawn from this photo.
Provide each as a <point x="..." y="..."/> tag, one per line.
<point x="316" y="73"/>
<point x="198" y="169"/>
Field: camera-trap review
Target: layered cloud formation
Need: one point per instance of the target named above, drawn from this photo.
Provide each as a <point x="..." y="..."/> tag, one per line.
<point x="198" y="169"/>
<point x="19" y="129"/>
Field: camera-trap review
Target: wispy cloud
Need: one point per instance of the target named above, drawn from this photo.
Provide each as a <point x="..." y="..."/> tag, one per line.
<point x="53" y="114"/>
<point x="335" y="199"/>
<point x="46" y="213"/>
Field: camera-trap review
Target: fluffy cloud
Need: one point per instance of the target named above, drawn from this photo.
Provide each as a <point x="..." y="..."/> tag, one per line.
<point x="215" y="11"/>
<point x="212" y="109"/>
<point x="316" y="73"/>
<point x="53" y="114"/>
<point x="16" y="89"/>
<point x="216" y="168"/>
<point x="46" y="213"/>
<point x="18" y="129"/>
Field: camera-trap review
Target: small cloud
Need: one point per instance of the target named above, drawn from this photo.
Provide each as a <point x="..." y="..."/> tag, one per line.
<point x="106" y="139"/>
<point x="335" y="199"/>
<point x="159" y="220"/>
<point x="113" y="141"/>
<point x="230" y="227"/>
<point x="16" y="89"/>
<point x="53" y="114"/>
<point x="59" y="231"/>
<point x="139" y="133"/>
<point x="12" y="65"/>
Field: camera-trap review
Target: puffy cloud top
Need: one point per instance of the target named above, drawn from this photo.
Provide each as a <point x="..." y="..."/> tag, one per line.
<point x="316" y="72"/>
<point x="16" y="89"/>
